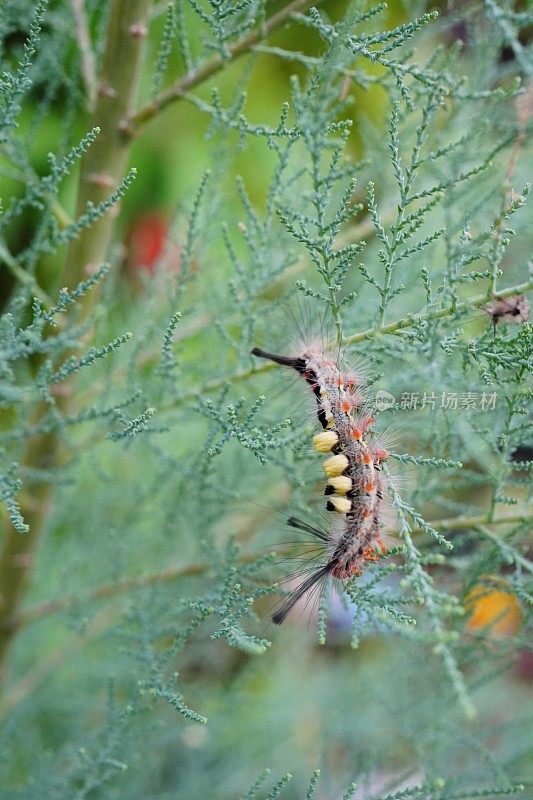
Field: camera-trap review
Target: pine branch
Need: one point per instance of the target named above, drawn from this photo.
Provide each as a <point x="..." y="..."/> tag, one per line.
<point x="195" y="77"/>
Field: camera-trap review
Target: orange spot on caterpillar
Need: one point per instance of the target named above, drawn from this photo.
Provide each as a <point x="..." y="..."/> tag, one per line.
<point x="343" y="570"/>
<point x="369" y="554"/>
<point x="380" y="455"/>
<point x="380" y="543"/>
<point x="356" y="434"/>
<point x="370" y="486"/>
<point x="346" y="407"/>
<point x="367" y="459"/>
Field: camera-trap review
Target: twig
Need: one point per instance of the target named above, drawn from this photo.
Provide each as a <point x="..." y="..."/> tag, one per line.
<point x="507" y="550"/>
<point x="371" y="333"/>
<point x="524" y="106"/>
<point x="26" y="278"/>
<point x="472" y="521"/>
<point x="472" y="302"/>
<point x="105" y="592"/>
<point x="109" y="590"/>
<point x="195" y="77"/>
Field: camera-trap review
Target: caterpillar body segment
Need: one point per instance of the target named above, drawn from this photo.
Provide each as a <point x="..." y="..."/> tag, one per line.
<point x="325" y="441"/>
<point x="341" y="484"/>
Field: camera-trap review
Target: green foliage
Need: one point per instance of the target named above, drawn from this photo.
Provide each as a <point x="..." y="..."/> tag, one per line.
<point x="156" y="461"/>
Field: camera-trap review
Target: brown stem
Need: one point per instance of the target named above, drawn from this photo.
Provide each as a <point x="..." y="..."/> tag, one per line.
<point x="109" y="590"/>
<point x="209" y="68"/>
<point x="106" y="591"/>
<point x="102" y="169"/>
<point x="104" y="164"/>
<point x="87" y="60"/>
<point x="18" y="549"/>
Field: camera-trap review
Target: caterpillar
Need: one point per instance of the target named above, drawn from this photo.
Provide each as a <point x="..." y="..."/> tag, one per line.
<point x="354" y="488"/>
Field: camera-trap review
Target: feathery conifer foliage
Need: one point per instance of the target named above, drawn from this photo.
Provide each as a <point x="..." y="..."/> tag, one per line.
<point x="345" y="169"/>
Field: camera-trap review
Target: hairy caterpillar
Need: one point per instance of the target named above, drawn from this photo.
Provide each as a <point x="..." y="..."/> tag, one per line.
<point x="355" y="487"/>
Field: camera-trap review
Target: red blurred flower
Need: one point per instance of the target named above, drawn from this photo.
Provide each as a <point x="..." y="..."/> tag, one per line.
<point x="149" y="246"/>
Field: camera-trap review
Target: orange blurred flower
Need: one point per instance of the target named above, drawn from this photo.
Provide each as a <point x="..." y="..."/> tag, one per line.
<point x="493" y="606"/>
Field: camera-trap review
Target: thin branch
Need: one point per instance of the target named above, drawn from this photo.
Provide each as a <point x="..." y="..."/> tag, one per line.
<point x="473" y="520"/>
<point x="109" y="590"/>
<point x="509" y="552"/>
<point x="106" y="591"/>
<point x="414" y="319"/>
<point x="197" y="76"/>
<point x="476" y="301"/>
<point x="25" y="278"/>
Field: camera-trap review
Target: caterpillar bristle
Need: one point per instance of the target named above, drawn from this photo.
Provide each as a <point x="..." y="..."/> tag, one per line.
<point x="299" y="592"/>
<point x="294" y="522"/>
